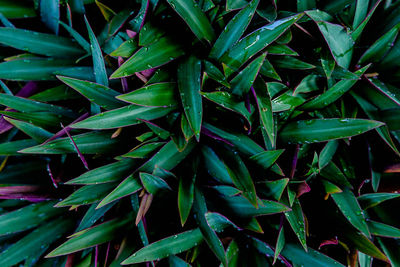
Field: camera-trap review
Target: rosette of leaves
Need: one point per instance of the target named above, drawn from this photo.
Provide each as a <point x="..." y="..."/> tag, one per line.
<point x="199" y="133"/>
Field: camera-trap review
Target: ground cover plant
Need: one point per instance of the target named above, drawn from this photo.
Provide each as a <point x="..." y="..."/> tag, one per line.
<point x="199" y="133"/>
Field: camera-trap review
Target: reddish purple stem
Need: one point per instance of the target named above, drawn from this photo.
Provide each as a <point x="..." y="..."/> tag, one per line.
<point x="51" y="175"/>
<point x="96" y="255"/>
<point x="29" y="89"/>
<point x="294" y="161"/>
<point x="124" y="81"/>
<point x="76" y="148"/>
<point x="208" y="133"/>
<point x="107" y="252"/>
<point x="31" y="198"/>
<point x="66" y="129"/>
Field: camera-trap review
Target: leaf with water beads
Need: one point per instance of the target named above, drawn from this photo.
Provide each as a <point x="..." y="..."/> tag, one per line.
<point x="194" y="17"/>
<point x="91" y="237"/>
<point x="154" y="55"/>
<point x="348" y="205"/>
<point x="319" y="130"/>
<point x="189" y="72"/>
<point x="165" y="247"/>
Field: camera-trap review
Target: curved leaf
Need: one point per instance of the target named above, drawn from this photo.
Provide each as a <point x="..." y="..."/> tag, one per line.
<point x="319" y="130"/>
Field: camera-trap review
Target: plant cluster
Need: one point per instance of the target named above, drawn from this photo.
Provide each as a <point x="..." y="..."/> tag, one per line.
<point x="199" y="133"/>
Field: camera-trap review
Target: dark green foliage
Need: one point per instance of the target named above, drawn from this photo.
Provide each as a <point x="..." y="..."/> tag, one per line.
<point x="199" y="133"/>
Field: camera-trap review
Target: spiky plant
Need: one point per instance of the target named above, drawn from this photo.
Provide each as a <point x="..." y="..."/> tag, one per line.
<point x="200" y="133"/>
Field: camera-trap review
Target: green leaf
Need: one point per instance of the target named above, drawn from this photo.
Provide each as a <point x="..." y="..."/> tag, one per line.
<point x="235" y="4"/>
<point x="215" y="166"/>
<point x="228" y="101"/>
<point x="333" y="93"/>
<point x="30" y="244"/>
<point x="280" y="49"/>
<point x="242" y="142"/>
<point x="138" y="21"/>
<point x="339" y="41"/>
<point x="308" y="84"/>
<point x="87" y="194"/>
<point x="200" y="209"/>
<point x="233" y="30"/>
<point x="374" y="199"/>
<point x="372" y="113"/>
<point x="152" y="183"/>
<point x="378" y="49"/>
<point x="13" y="147"/>
<point x="27" y="217"/>
<point x="57" y="93"/>
<point x="37" y="69"/>
<point x="319" y="130"/>
<point x="267" y="158"/>
<point x="149" y="34"/>
<point x="153" y="95"/>
<point x="297" y="255"/>
<point x="92" y="236"/>
<point x="96" y="93"/>
<point x="175" y="261"/>
<point x="289" y="62"/>
<point x="194" y="17"/>
<point x="50" y="13"/>
<point x="39" y="43"/>
<point x="30" y="106"/>
<point x="250" y="45"/>
<point x="381" y="229"/>
<point x="357" y="32"/>
<point x="295" y="218"/>
<point x="387" y="90"/>
<point x="88" y="143"/>
<point x="361" y="12"/>
<point x="79" y="39"/>
<point x="269" y="71"/>
<point x="165" y="247"/>
<point x="327" y="153"/>
<point x="218" y="222"/>
<point x="166" y="158"/>
<point x="242" y="82"/>
<point x="243" y="208"/>
<point x="38" y="134"/>
<point x="143" y="151"/>
<point x="127" y="187"/>
<point x="92" y="215"/>
<point x="121" y="117"/>
<point x="41" y="119"/>
<point x="99" y="66"/>
<point x="126" y="49"/>
<point x="189" y="73"/>
<point x="185" y="196"/>
<point x="240" y="176"/>
<point x="265" y="109"/>
<point x="328" y="63"/>
<point x="332" y="173"/>
<point x="348" y="205"/>
<point x="280" y="243"/>
<point x="363" y="244"/>
<point x="107" y="173"/>
<point x="275" y="188"/>
<point x="151" y="56"/>
<point x="391" y="249"/>
<point x="13" y="10"/>
<point x="214" y="73"/>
